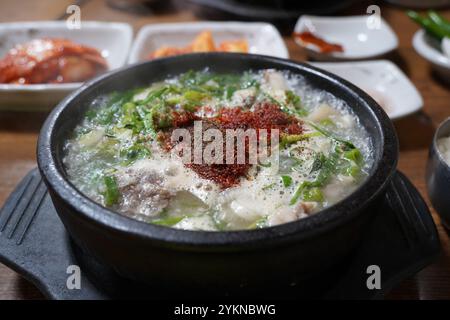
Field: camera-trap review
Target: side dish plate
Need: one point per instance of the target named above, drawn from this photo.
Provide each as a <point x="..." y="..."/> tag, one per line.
<point x="113" y="40"/>
<point x="383" y="81"/>
<point x="262" y="38"/>
<point x="361" y="37"/>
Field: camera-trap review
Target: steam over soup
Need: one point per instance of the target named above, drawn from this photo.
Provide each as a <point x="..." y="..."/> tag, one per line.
<point x="124" y="154"/>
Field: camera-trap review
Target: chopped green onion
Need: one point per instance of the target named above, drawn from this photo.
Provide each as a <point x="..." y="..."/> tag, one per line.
<point x="269" y="186"/>
<point x="168" y="221"/>
<point x="111" y="194"/>
<point x="327" y="122"/>
<point x="331" y="135"/>
<point x="313" y="194"/>
<point x="287" y="181"/>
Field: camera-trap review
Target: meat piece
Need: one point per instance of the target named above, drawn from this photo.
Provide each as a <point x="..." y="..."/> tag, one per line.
<point x="142" y="191"/>
<point x="322" y="112"/>
<point x="275" y="80"/>
<point x="244" y="97"/>
<point x="289" y="214"/>
<point x="50" y="61"/>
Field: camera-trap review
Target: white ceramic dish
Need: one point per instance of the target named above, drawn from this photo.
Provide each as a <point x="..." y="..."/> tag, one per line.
<point x="360" y="37"/>
<point x="113" y="40"/>
<point x="382" y="80"/>
<point x="446" y="47"/>
<point x="263" y="38"/>
<point x="430" y="49"/>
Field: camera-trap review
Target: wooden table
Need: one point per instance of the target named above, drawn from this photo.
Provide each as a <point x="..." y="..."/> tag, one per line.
<point x="19" y="131"/>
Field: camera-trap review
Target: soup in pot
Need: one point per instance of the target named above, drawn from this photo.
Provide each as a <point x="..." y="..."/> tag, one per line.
<point x="217" y="152"/>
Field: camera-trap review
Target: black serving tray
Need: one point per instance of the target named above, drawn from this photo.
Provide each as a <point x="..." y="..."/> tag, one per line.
<point x="401" y="240"/>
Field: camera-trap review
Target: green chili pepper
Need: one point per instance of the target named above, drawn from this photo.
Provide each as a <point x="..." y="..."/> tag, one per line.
<point x="439" y="20"/>
<point x="429" y="25"/>
<point x="293" y="138"/>
<point x="313" y="194"/>
<point x="328" y="168"/>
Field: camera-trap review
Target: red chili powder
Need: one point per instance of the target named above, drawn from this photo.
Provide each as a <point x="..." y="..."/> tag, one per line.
<point x="265" y="116"/>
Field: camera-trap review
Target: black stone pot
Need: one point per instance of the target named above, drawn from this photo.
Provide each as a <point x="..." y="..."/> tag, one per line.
<point x="217" y="262"/>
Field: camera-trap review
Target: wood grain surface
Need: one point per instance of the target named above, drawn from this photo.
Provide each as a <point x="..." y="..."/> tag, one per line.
<point x="19" y="131"/>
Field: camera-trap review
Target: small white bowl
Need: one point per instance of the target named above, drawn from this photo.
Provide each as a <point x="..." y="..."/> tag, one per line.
<point x="360" y="39"/>
<point x="383" y="81"/>
<point x="430" y="49"/>
<point x="113" y="40"/>
<point x="263" y="38"/>
<point x="446" y="47"/>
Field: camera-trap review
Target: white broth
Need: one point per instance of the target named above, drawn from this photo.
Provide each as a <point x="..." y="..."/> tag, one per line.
<point x="121" y="155"/>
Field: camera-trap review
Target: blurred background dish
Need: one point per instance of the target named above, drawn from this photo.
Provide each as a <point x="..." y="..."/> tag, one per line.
<point x="430" y="49"/>
<point x="202" y="42"/>
<point x="112" y="40"/>
<point x="354" y="33"/>
<point x="262" y="38"/>
<point x="433" y="41"/>
<point x="420" y="4"/>
<point x="446" y="47"/>
<point x="383" y="81"/>
<point x="282" y="13"/>
<point x="50" y="60"/>
<point x="438" y="172"/>
<point x="135" y="6"/>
